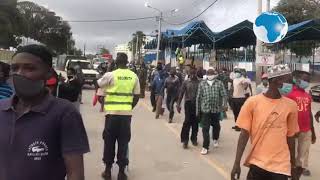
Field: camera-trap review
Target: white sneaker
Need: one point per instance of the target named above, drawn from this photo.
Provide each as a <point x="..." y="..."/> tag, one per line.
<point x="204" y="151"/>
<point x="215" y="143"/>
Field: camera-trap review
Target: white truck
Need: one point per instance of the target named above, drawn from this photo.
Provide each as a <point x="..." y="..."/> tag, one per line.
<point x="89" y="73"/>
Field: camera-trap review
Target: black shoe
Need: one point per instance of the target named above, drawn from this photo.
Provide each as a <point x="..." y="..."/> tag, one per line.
<point x="234" y="127"/>
<point x="106" y="175"/>
<point x="195" y="143"/>
<point x="122" y="175"/>
<point x="154" y="110"/>
<point x="185" y="145"/>
<point x="170" y="121"/>
<point x="157" y="116"/>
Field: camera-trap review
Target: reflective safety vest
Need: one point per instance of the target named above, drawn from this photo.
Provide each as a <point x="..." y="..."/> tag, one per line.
<point x="119" y="97"/>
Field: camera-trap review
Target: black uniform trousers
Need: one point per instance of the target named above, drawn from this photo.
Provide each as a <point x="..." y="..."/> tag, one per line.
<point x="117" y="129"/>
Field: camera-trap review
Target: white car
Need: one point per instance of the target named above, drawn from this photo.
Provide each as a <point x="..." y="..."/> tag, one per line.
<point x="89" y="73"/>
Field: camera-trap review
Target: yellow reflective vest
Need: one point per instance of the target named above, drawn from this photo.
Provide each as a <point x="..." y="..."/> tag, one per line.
<point x="119" y="97"/>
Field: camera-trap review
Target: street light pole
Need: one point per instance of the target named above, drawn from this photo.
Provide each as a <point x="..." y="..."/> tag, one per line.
<point x="159" y="37"/>
<point x="160" y="24"/>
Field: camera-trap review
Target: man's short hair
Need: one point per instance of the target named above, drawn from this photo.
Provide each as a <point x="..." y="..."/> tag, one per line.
<point x="122" y="59"/>
<point x="5" y="68"/>
<point x="37" y="50"/>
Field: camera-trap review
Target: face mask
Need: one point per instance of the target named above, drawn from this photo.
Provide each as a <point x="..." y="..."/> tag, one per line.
<point x="286" y="88"/>
<point x="237" y="75"/>
<point x="301" y="84"/>
<point x="27" y="88"/>
<point x="212" y="77"/>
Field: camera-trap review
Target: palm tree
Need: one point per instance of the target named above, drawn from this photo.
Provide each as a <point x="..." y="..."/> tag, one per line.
<point x="135" y="45"/>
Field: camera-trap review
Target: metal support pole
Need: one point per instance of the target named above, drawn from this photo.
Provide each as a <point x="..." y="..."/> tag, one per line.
<point x="159" y="38"/>
<point x="268" y="5"/>
<point x="258" y="48"/>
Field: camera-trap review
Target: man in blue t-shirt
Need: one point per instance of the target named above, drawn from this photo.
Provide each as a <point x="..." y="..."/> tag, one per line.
<point x="5" y="89"/>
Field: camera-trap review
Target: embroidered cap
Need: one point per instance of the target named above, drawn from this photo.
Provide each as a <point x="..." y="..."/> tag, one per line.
<point x="278" y="70"/>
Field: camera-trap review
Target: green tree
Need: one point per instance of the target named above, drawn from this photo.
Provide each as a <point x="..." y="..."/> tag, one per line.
<point x="138" y="40"/>
<point x="44" y="26"/>
<point x="11" y="24"/>
<point x="297" y="11"/>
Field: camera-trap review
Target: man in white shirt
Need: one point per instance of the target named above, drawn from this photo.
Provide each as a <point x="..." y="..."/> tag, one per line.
<point x="240" y="86"/>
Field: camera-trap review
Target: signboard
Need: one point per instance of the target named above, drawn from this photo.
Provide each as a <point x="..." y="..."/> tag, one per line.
<point x="248" y="66"/>
<point x="107" y="56"/>
<point x="265" y="59"/>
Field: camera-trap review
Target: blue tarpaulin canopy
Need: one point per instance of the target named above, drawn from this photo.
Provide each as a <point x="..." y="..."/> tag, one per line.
<point x="306" y="30"/>
<point x="239" y="35"/>
<point x="194" y="33"/>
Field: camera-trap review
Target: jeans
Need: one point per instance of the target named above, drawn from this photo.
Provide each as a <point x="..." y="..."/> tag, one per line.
<point x="190" y="121"/>
<point x="237" y="103"/>
<point x="117" y="129"/>
<point x="171" y="99"/>
<point x="256" y="173"/>
<point x="210" y="119"/>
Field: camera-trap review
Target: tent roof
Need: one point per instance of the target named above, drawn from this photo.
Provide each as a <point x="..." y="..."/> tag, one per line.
<point x="239" y="35"/>
<point x="306" y="30"/>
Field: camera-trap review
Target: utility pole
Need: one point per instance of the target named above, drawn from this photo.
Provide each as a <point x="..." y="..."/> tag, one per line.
<point x="258" y="48"/>
<point x="268" y="5"/>
<point x="159" y="37"/>
<point x="84" y="49"/>
<point x="137" y="44"/>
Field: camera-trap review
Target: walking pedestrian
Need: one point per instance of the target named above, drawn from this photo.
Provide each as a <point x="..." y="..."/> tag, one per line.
<point x="6" y="90"/>
<point x="154" y="73"/>
<point x="42" y="137"/>
<point x="240" y="86"/>
<point x="306" y="136"/>
<point x="157" y="87"/>
<point x="122" y="95"/>
<point x="210" y="102"/>
<point x="263" y="87"/>
<point x="189" y="89"/>
<point x="270" y="120"/>
<point x="172" y="84"/>
<point x="142" y="79"/>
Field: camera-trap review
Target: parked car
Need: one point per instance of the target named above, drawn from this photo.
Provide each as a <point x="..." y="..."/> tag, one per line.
<point x="315" y="93"/>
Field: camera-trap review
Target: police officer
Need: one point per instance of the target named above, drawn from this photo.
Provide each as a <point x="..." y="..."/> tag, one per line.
<point x="122" y="94"/>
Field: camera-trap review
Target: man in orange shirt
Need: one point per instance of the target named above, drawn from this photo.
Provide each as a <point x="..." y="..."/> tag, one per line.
<point x="270" y="120"/>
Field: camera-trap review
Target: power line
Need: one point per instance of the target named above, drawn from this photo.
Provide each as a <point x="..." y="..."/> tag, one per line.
<point x="111" y="20"/>
<point x="185" y="22"/>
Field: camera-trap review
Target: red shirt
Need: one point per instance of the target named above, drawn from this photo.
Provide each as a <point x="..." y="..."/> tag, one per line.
<point x="303" y="100"/>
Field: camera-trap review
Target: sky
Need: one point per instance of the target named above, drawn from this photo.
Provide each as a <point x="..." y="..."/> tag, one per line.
<point x="220" y="16"/>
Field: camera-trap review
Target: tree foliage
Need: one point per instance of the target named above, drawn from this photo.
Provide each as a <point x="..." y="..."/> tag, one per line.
<point x="297" y="11"/>
<point x="44" y="26"/>
<point x="11" y="24"/>
<point x="138" y="40"/>
<point x="28" y="19"/>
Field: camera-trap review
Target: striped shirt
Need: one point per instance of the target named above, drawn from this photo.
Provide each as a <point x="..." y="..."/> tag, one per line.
<point x="5" y="91"/>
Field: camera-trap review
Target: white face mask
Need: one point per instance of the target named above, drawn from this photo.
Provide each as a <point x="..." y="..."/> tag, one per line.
<point x="212" y="77"/>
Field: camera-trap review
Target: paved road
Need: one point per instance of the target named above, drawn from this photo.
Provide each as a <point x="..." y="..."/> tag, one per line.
<point x="156" y="152"/>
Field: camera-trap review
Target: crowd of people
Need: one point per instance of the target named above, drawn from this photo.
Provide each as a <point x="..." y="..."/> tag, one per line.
<point x="41" y="126"/>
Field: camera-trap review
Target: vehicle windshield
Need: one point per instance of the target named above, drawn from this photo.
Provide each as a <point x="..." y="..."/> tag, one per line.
<point x="83" y="65"/>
